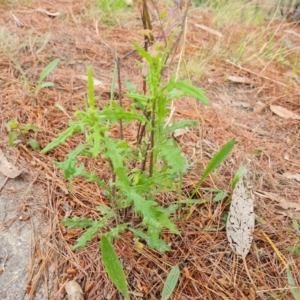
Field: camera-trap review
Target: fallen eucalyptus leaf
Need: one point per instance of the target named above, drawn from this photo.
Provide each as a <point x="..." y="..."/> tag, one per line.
<point x="241" y="220"/>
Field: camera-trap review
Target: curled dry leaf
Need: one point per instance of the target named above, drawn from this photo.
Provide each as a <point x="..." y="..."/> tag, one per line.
<point x="74" y="290"/>
<point x="48" y="13"/>
<point x="241" y="220"/>
<point x="7" y="168"/>
<point x="283" y="112"/>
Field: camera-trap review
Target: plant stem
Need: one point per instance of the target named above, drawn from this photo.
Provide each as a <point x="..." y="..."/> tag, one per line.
<point x="151" y="163"/>
<point x="120" y="95"/>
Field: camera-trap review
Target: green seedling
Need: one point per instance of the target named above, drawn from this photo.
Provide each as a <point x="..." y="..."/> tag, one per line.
<point x="17" y="134"/>
<point x="49" y="68"/>
<point x="40" y="84"/>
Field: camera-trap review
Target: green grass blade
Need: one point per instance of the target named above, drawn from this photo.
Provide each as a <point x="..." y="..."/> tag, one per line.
<point x="91" y="95"/>
<point x="113" y="267"/>
<point x="60" y="107"/>
<point x="239" y="174"/>
<point x="170" y="283"/>
<point x="292" y="285"/>
<point x="113" y="83"/>
<point x="18" y="66"/>
<point x="46" y="84"/>
<point x="50" y="67"/>
<point x="215" y="162"/>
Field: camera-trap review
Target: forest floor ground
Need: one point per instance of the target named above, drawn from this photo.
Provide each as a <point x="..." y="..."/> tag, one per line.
<point x="250" y="73"/>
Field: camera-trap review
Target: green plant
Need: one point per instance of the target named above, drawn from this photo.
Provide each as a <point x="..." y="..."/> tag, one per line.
<point x="49" y="68"/>
<point x="111" y="10"/>
<point x="40" y="84"/>
<point x="17" y="134"/>
<point x="111" y="6"/>
<point x="141" y="171"/>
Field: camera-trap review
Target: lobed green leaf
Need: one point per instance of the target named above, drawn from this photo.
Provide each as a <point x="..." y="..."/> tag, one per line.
<point x="74" y="127"/>
<point x="187" y="90"/>
<point x="77" y="222"/>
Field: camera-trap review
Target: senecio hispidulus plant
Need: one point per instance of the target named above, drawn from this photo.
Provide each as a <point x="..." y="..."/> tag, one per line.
<point x="141" y="170"/>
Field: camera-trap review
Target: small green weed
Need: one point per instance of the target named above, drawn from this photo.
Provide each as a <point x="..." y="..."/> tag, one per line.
<point x="40" y="84"/>
<point x="111" y="6"/>
<point x="111" y="10"/>
<point x="17" y="134"/>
